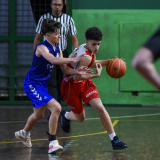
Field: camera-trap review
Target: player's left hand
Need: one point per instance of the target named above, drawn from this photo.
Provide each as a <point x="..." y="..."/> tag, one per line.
<point x="83" y="70"/>
<point x="76" y="59"/>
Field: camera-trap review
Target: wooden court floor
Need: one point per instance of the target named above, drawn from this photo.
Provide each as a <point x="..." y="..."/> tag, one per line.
<point x="139" y="127"/>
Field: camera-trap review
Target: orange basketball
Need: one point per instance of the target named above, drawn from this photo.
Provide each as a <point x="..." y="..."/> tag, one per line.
<point x="116" y="68"/>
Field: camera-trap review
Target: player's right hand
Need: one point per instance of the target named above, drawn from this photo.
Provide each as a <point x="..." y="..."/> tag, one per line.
<point x="76" y="59"/>
<point x="98" y="68"/>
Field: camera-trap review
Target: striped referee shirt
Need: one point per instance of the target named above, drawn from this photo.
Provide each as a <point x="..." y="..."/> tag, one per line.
<point x="68" y="27"/>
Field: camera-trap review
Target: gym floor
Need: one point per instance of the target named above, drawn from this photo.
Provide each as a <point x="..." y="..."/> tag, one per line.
<point x="138" y="127"/>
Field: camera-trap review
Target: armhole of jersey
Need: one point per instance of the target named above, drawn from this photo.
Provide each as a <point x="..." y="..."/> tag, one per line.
<point x="36" y="49"/>
<point x="59" y="50"/>
<point x="91" y="61"/>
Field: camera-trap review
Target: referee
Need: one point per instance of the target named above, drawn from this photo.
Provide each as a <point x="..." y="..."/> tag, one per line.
<point x="68" y="28"/>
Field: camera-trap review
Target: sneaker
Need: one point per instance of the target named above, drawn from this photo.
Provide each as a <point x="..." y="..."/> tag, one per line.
<point x="54" y="146"/>
<point x="25" y="140"/>
<point x="118" y="144"/>
<point x="65" y="123"/>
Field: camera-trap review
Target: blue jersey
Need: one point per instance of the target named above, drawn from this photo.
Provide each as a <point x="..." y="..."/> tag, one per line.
<point x="41" y="69"/>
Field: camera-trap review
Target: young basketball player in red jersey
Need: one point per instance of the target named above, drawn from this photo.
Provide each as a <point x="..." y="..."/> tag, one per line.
<point x="77" y="88"/>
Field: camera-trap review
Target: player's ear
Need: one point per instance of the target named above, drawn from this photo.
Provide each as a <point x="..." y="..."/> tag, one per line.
<point x="86" y="41"/>
<point x="47" y="35"/>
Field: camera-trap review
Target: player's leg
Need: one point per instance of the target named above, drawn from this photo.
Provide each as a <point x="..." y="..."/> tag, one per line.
<point x="143" y="63"/>
<point x="71" y="94"/>
<point x="144" y="58"/>
<point x="77" y="114"/>
<point x="24" y="135"/>
<point x="38" y="114"/>
<point x="76" y="117"/>
<point x="103" y="114"/>
<point x="106" y="121"/>
<point x="55" y="109"/>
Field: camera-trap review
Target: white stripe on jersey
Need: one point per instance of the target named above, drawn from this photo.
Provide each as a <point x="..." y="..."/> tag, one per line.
<point x="68" y="27"/>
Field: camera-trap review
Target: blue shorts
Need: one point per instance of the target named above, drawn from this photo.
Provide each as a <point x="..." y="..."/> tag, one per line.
<point x="38" y="94"/>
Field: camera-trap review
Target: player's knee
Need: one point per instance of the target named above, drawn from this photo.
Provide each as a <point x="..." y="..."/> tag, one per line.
<point x="81" y="119"/>
<point x="100" y="109"/>
<point x="57" y="109"/>
<point x="136" y="63"/>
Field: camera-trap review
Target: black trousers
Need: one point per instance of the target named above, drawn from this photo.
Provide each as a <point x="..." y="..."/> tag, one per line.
<point x="55" y="80"/>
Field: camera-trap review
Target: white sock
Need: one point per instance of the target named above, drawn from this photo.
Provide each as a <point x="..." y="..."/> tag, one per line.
<point x="25" y="133"/>
<point x="112" y="135"/>
<point x="66" y="115"/>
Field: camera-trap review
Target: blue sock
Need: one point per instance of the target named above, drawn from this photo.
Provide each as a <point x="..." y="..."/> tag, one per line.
<point x="51" y="137"/>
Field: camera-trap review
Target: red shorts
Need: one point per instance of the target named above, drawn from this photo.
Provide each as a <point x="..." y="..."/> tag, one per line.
<point x="75" y="93"/>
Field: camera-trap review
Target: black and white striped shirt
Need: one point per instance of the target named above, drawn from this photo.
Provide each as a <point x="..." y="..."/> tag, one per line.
<point x="68" y="27"/>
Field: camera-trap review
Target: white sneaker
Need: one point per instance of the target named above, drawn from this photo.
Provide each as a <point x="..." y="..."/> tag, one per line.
<point x="54" y="146"/>
<point x="25" y="140"/>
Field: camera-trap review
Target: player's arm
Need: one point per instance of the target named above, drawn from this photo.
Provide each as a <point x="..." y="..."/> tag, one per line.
<point x="74" y="40"/>
<point x="85" y="61"/>
<point x="67" y="70"/>
<point x="102" y="62"/>
<point x="43" y="51"/>
<point x="37" y="40"/>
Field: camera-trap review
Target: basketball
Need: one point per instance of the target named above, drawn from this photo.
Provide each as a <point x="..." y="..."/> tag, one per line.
<point x="116" y="68"/>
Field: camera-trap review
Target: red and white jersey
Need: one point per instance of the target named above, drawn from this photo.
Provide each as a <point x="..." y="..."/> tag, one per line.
<point x="77" y="52"/>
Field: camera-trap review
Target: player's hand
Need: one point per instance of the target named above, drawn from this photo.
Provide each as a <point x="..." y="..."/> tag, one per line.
<point x="76" y="59"/>
<point x="98" y="68"/>
<point x="83" y="70"/>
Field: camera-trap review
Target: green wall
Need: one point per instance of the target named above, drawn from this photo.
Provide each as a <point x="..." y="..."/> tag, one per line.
<point x="124" y="31"/>
<point x="116" y="4"/>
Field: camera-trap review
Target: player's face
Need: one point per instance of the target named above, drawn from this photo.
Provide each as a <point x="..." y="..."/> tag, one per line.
<point x="54" y="37"/>
<point x="57" y="6"/>
<point x="93" y="45"/>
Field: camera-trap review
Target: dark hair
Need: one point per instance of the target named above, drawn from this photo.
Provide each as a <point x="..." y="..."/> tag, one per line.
<point x="93" y="33"/>
<point x="50" y="26"/>
<point x="52" y="0"/>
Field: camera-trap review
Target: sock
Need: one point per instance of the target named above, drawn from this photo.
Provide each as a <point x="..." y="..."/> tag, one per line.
<point x="25" y="133"/>
<point x="112" y="135"/>
<point x="51" y="137"/>
<point x="66" y="115"/>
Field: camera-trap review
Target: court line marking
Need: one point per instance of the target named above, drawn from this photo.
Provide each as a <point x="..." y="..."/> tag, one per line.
<point x="64" y="148"/>
<point x="114" y="123"/>
<point x="143" y="120"/>
<point x="142" y="115"/>
<point x="22" y="121"/>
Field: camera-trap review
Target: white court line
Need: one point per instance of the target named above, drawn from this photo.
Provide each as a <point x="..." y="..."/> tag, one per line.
<point x="21" y="121"/>
<point x="142" y="115"/>
<point x="129" y="116"/>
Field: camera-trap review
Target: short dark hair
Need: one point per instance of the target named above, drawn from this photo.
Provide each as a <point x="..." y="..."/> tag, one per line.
<point x="93" y="33"/>
<point x="50" y="26"/>
<point x="52" y="0"/>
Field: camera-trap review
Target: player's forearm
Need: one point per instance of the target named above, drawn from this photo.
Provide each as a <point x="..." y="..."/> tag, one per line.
<point x="75" y="43"/>
<point x="36" y="42"/>
<point x="59" y="60"/>
<point x="83" y="77"/>
<point x="102" y="62"/>
<point x="67" y="70"/>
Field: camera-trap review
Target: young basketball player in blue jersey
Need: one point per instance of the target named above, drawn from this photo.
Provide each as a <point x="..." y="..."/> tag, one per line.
<point x="46" y="54"/>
